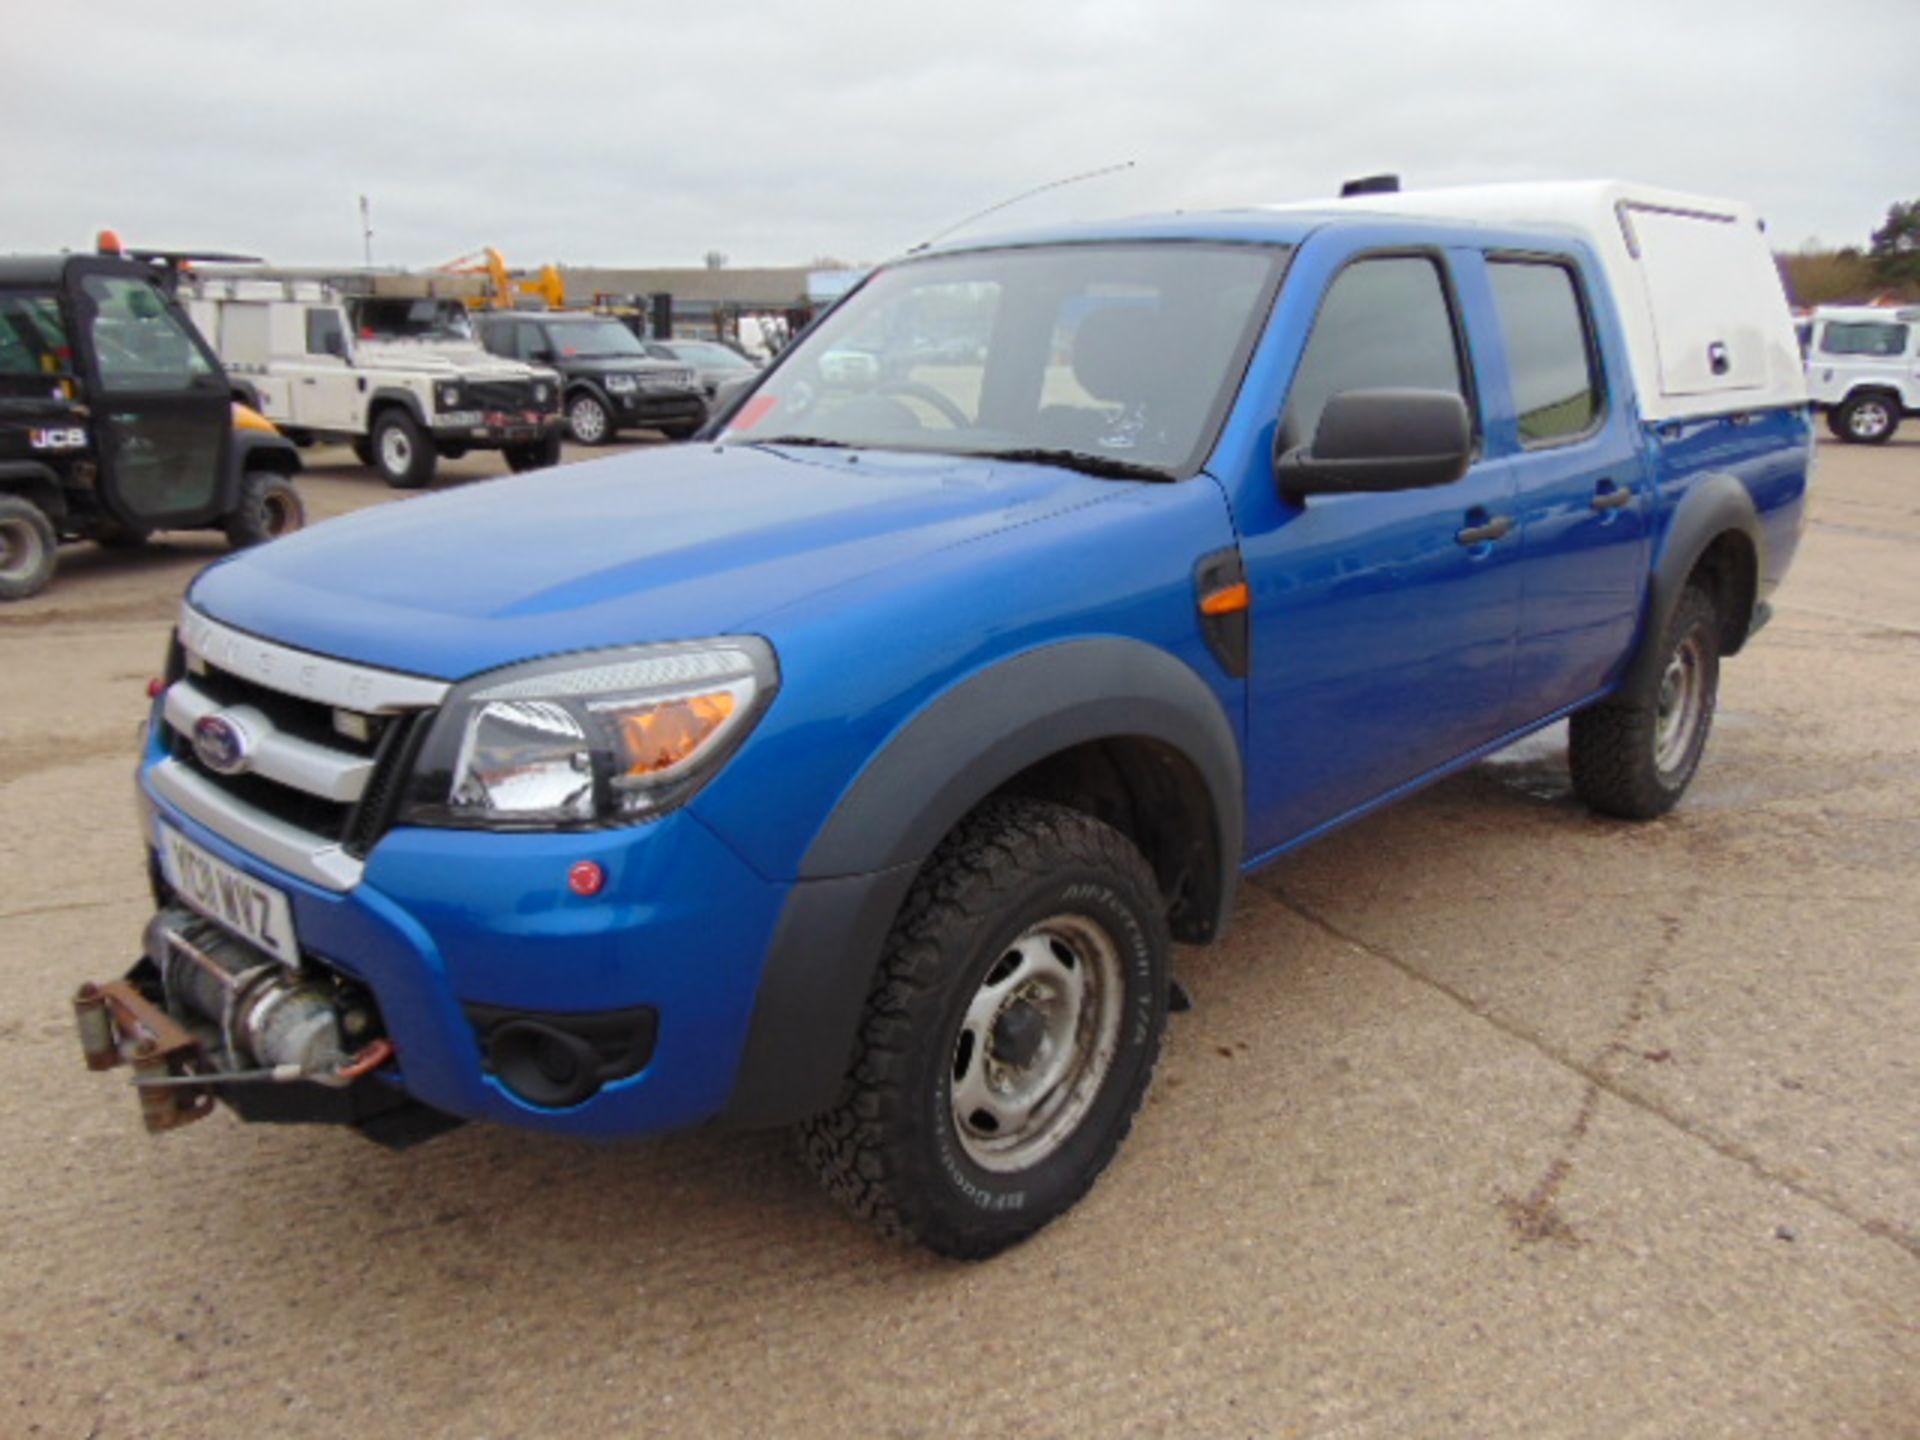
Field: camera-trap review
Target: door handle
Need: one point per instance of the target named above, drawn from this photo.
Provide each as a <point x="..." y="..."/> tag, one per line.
<point x="1494" y="529"/>
<point x="1609" y="496"/>
<point x="308" y="380"/>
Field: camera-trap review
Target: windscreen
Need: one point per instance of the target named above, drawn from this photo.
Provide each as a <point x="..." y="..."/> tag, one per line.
<point x="591" y="339"/>
<point x="1124" y="353"/>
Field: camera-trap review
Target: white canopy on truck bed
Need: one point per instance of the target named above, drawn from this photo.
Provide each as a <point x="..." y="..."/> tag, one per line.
<point x="1700" y="299"/>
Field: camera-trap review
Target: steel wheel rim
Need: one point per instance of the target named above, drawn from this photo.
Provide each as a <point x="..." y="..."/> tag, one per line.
<point x="1870" y="419"/>
<point x="20" y="550"/>
<point x="1036" y="1043"/>
<point x="589" y="421"/>
<point x="396" y="450"/>
<point x="1682" y="703"/>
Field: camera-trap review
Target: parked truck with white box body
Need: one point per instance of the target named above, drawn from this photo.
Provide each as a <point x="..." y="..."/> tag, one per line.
<point x="292" y="351"/>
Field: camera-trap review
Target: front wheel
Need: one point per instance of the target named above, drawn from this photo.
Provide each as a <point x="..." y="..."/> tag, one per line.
<point x="400" y="451"/>
<point x="539" y="455"/>
<point x="1009" y="1036"/>
<point x="28" y="548"/>
<point x="1635" y="759"/>
<point x="269" y="508"/>
<point x="588" y="419"/>
<point x="1865" y="419"/>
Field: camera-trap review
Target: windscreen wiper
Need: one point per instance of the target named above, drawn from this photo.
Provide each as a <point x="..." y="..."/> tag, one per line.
<point x="798" y="440"/>
<point x="1081" y="460"/>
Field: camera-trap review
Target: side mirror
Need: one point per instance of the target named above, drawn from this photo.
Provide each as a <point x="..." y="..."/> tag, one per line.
<point x="1379" y="440"/>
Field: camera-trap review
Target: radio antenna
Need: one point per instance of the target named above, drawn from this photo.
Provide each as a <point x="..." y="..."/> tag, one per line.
<point x="1015" y="200"/>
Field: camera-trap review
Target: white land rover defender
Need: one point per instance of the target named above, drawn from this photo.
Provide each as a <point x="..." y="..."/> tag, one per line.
<point x="402" y="401"/>
<point x="1863" y="369"/>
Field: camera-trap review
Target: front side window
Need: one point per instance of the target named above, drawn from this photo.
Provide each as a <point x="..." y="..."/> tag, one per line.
<point x="1119" y="358"/>
<point x="1385" y="323"/>
<point x="326" y="335"/>
<point x="1550" y="351"/>
<point x="33" y="338"/>
<point x="1876" y="339"/>
<point x="138" y="343"/>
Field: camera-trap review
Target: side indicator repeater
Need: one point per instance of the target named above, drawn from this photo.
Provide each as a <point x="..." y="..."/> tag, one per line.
<point x="1228" y="600"/>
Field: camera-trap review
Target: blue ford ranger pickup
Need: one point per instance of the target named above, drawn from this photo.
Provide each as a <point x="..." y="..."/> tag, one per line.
<point x="854" y="767"/>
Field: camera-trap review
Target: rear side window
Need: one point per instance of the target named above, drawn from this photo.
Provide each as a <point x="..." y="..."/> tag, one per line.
<point x="1875" y="338"/>
<point x="1385" y="323"/>
<point x="1550" y="350"/>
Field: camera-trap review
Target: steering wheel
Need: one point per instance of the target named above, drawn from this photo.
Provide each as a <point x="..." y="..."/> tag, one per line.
<point x="948" y="411"/>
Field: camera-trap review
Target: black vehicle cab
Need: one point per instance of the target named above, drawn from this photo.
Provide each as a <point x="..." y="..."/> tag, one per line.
<point x="117" y="420"/>
<point x="611" y="382"/>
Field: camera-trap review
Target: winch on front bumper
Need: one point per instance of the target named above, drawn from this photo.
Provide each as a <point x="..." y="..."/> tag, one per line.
<point x="204" y="1016"/>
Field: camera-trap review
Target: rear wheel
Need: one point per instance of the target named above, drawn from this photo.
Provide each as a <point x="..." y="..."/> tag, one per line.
<point x="1865" y="419"/>
<point x="28" y="548"/>
<point x="588" y="420"/>
<point x="1635" y="759"/>
<point x="269" y="508"/>
<point x="400" y="451"/>
<point x="1009" y="1035"/>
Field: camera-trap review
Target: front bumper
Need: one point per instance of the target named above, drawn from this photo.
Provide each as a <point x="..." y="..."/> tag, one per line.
<point x="674" y="407"/>
<point x="480" y="429"/>
<point x="451" y="929"/>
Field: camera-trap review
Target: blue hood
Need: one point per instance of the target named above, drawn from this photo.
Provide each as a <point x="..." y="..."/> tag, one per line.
<point x="667" y="545"/>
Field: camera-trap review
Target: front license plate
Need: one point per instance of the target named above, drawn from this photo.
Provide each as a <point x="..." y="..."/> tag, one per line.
<point x="257" y="912"/>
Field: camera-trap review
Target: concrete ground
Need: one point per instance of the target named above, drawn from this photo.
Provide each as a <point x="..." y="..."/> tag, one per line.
<point x="1493" y="1119"/>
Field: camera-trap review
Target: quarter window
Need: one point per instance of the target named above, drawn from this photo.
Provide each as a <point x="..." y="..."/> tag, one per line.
<point x="33" y="341"/>
<point x="1550" y="350"/>
<point x="1875" y="338"/>
<point x="1385" y="323"/>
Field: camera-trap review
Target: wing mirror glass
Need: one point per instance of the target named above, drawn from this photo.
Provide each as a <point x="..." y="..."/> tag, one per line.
<point x="1379" y="440"/>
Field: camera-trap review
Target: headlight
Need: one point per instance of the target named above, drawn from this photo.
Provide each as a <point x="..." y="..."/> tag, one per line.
<point x="587" y="740"/>
<point x="448" y="396"/>
<point x="620" y="382"/>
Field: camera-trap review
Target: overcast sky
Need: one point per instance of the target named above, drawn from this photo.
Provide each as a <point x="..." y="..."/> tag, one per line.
<point x="650" y="133"/>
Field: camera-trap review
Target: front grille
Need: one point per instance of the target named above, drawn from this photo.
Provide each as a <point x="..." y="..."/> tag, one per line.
<point x="497" y="395"/>
<point x="307" y="775"/>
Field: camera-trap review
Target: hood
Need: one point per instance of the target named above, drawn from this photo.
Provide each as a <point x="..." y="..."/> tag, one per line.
<point x="673" y="544"/>
<point x="622" y="365"/>
<point x="455" y="357"/>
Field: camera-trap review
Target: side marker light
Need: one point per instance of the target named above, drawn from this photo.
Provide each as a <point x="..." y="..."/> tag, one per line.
<point x="586" y="878"/>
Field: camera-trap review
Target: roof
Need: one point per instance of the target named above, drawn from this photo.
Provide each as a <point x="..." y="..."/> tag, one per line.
<point x="34" y="269"/>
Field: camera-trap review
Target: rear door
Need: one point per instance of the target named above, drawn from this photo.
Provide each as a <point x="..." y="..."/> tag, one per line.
<point x="1580" y="487"/>
<point x="161" y="400"/>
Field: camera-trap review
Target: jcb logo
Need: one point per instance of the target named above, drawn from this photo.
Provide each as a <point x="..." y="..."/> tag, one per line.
<point x="57" y="439"/>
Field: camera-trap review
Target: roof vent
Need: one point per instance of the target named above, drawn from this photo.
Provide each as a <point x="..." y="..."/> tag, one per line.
<point x="1371" y="185"/>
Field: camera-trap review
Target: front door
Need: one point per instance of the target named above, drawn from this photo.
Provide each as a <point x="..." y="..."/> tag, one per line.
<point x="1383" y="624"/>
<point x="162" y="404"/>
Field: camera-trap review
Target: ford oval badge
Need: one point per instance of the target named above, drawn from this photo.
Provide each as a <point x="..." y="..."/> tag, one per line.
<point x="221" y="745"/>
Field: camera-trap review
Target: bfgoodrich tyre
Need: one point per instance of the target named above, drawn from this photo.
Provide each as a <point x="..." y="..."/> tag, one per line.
<point x="1635" y="759"/>
<point x="1009" y="1035"/>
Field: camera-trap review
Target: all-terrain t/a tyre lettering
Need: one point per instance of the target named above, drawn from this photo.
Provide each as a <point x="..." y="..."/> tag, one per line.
<point x="1009" y="1035"/>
